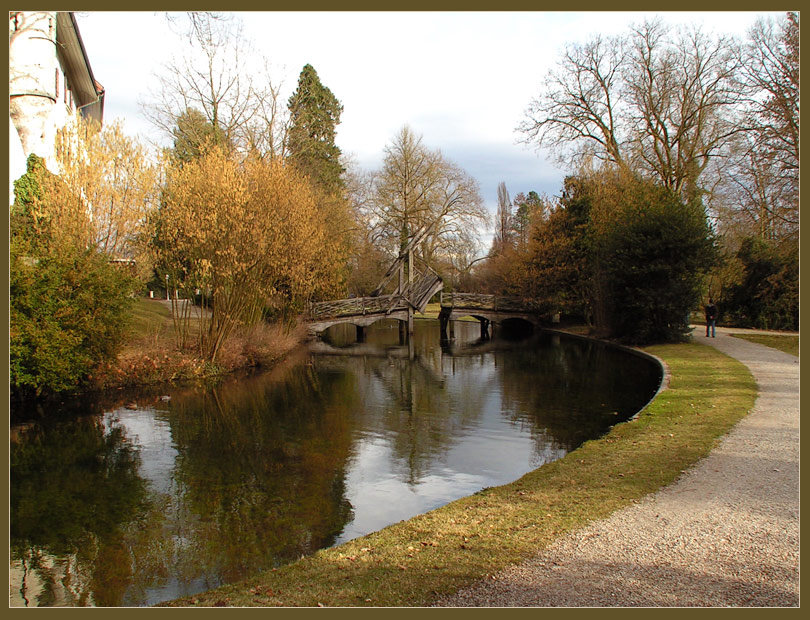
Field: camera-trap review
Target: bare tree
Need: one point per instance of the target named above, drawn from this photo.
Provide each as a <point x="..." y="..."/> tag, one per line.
<point x="215" y="76"/>
<point x="657" y="102"/>
<point x="459" y="213"/>
<point x="267" y="133"/>
<point x="757" y="194"/>
<point x="771" y="73"/>
<point x="459" y="266"/>
<point x="418" y="187"/>
<point x="402" y="189"/>
<point x="753" y="199"/>
<point x="579" y="103"/>
<point x="684" y="107"/>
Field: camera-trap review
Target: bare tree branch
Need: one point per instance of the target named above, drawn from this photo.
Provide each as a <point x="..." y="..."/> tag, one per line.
<point x="217" y="76"/>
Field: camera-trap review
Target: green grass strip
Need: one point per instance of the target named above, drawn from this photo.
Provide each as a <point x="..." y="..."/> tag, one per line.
<point x="412" y="562"/>
<point x="787" y="344"/>
<point x="149" y="316"/>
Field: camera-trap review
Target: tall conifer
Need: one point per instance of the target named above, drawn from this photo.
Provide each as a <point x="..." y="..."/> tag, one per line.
<point x="315" y="114"/>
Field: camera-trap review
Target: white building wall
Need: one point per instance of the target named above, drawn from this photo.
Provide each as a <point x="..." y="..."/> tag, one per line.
<point x="33" y="67"/>
<point x="16" y="159"/>
<point x="37" y="89"/>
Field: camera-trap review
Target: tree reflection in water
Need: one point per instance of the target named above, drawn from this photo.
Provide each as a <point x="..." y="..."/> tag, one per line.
<point x="74" y="488"/>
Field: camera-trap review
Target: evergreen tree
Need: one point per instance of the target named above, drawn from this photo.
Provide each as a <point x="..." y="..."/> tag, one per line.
<point x="526" y="207"/>
<point x="314" y="115"/>
<point x="193" y="134"/>
<point x="627" y="254"/>
<point x="765" y="292"/>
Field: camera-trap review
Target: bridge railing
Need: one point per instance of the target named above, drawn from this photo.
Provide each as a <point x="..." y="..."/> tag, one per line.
<point x="360" y="306"/>
<point x="494" y="303"/>
<point x="351" y="307"/>
<point x="418" y="292"/>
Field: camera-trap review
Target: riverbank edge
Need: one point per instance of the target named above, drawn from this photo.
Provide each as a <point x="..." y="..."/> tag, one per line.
<point x="414" y="562"/>
<point x="172" y="367"/>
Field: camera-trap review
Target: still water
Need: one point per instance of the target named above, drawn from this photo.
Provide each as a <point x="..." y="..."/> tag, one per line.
<point x="139" y="499"/>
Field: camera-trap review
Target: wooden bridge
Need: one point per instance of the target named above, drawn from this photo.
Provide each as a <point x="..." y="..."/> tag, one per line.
<point x="412" y="294"/>
<point x="363" y="311"/>
<point x="489" y="310"/>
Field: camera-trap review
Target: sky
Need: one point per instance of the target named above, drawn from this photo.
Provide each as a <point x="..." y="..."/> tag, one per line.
<point x="461" y="80"/>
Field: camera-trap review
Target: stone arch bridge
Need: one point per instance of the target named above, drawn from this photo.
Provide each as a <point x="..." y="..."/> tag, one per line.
<point x="489" y="310"/>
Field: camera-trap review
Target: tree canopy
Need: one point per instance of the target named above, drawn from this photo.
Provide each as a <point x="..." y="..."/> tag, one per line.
<point x="657" y="101"/>
<point x="224" y="80"/>
<point x="629" y="255"/>
<point x="192" y="135"/>
<point x="118" y="183"/>
<point x="67" y="302"/>
<point x="714" y="119"/>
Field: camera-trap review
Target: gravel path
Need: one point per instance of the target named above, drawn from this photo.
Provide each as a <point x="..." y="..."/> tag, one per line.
<point x="725" y="534"/>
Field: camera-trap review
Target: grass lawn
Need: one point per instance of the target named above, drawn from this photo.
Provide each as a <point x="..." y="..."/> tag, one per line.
<point x="412" y="562"/>
<point x="431" y="312"/>
<point x="786" y="343"/>
<point x="149" y="317"/>
<point x="150" y="326"/>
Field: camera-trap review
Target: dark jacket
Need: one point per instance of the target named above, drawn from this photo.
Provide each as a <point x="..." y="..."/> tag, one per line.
<point x="711" y="312"/>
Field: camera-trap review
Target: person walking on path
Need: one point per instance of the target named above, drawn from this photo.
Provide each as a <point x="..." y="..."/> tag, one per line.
<point x="711" y="317"/>
<point x="725" y="534"/>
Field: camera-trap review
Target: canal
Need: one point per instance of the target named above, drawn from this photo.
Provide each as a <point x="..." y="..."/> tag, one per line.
<point x="148" y="496"/>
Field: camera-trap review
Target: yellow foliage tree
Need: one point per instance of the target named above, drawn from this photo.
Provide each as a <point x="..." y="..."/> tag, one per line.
<point x="48" y="212"/>
<point x="117" y="182"/>
<point x="247" y="234"/>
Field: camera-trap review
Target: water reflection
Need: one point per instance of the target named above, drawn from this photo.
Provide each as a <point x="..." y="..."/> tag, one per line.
<point x="73" y="491"/>
<point x="121" y="507"/>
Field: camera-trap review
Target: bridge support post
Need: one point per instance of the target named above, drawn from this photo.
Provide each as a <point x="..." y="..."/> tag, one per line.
<point x="410" y="292"/>
<point x="444" y="323"/>
<point x="484" y="328"/>
<point x="403" y="332"/>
